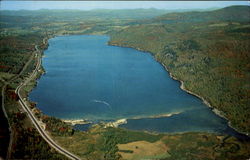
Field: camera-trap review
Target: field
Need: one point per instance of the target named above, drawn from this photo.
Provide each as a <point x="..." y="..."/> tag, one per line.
<point x="209" y="53"/>
<point x="143" y="150"/>
<point x="112" y="143"/>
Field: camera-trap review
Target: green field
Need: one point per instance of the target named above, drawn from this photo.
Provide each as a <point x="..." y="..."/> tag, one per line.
<point x="208" y="51"/>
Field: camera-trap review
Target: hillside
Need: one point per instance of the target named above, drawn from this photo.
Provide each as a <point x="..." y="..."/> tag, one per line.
<point x="97" y="14"/>
<point x="211" y="57"/>
<point x="208" y="51"/>
<point x="232" y="13"/>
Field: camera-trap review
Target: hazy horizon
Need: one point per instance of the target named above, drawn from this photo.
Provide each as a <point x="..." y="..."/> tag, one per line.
<point x="91" y="5"/>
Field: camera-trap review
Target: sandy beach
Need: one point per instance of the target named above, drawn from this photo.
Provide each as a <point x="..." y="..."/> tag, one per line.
<point x="76" y="121"/>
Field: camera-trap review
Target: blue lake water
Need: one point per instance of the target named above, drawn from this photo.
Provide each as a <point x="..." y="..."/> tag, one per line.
<point x="88" y="79"/>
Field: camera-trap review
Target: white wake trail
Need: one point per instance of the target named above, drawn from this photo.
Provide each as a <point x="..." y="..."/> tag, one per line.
<point x="103" y="102"/>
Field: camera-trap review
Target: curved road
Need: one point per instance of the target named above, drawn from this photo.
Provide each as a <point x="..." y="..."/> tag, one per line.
<point x="25" y="107"/>
<point x="3" y="99"/>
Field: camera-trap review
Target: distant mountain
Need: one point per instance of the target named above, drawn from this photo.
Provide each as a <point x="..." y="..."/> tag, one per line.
<point x="83" y="15"/>
<point x="232" y="13"/>
<point x="104" y="14"/>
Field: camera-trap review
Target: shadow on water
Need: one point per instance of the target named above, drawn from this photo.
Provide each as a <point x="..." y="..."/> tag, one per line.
<point x="232" y="132"/>
<point x="228" y="131"/>
<point x="200" y="121"/>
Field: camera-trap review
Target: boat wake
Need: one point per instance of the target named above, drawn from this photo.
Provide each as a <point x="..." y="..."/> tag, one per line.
<point x="103" y="102"/>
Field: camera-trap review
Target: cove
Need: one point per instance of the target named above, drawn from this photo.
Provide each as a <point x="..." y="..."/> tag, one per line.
<point x="88" y="79"/>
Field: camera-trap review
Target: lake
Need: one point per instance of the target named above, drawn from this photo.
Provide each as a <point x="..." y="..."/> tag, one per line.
<point x="88" y="79"/>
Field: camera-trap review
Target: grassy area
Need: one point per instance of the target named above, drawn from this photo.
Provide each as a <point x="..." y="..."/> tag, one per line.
<point x="210" y="53"/>
<point x="143" y="150"/>
<point x="115" y="143"/>
<point x="205" y="146"/>
<point x="5" y="76"/>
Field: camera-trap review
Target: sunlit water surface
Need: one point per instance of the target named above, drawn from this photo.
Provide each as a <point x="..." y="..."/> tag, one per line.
<point x="88" y="79"/>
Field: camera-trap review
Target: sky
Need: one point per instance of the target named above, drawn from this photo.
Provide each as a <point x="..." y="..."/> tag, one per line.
<point x="88" y="5"/>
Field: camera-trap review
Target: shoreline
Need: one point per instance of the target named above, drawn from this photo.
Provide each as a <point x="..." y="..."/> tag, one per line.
<point x="86" y="121"/>
<point x="156" y="116"/>
<point x="119" y="122"/>
<point x="215" y="110"/>
<point x="76" y="121"/>
<point x="116" y="123"/>
<point x="182" y="86"/>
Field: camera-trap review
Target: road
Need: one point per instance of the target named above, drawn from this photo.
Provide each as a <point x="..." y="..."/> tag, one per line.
<point x="36" y="123"/>
<point x="3" y="99"/>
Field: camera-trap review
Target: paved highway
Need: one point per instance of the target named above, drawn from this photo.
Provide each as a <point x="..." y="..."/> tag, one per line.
<point x="3" y="100"/>
<point x="36" y="123"/>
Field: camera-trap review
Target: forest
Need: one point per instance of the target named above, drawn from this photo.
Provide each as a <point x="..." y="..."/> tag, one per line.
<point x="207" y="50"/>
